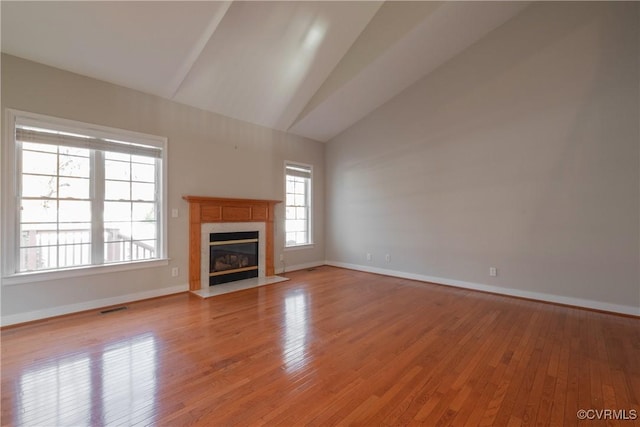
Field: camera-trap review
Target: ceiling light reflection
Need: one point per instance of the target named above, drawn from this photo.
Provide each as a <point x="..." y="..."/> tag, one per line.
<point x="315" y="35"/>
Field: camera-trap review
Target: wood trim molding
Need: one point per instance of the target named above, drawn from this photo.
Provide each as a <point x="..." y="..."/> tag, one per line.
<point x="218" y="209"/>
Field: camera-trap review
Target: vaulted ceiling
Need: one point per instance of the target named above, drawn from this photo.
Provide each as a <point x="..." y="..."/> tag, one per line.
<point x="309" y="68"/>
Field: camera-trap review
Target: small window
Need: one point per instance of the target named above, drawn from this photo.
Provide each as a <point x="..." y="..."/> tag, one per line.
<point x="85" y="195"/>
<point x="298" y="205"/>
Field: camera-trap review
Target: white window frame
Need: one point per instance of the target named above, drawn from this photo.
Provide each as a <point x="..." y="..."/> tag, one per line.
<point x="310" y="243"/>
<point x="10" y="171"/>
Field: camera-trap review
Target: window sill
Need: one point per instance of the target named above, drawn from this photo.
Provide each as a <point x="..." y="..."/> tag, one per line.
<point x="299" y="247"/>
<point x="41" y="276"/>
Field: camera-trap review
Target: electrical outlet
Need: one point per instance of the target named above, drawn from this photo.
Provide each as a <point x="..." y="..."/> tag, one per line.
<point x="368" y="256"/>
<point x="493" y="272"/>
<point x="174" y="272"/>
<point x="281" y="257"/>
<point x="174" y="213"/>
<point x="387" y="258"/>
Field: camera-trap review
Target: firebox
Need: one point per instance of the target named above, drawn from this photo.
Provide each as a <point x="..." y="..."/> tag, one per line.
<point x="232" y="256"/>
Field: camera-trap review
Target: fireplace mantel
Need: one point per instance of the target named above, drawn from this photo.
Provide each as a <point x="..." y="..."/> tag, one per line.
<point x="218" y="209"/>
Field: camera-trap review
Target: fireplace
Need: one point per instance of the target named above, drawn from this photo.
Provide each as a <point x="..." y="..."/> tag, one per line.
<point x="233" y="256"/>
<point x="219" y="215"/>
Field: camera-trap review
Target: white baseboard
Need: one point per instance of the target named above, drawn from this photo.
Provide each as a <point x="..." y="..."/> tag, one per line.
<point x="296" y="267"/>
<point x="105" y="302"/>
<point x="30" y="316"/>
<point x="577" y="302"/>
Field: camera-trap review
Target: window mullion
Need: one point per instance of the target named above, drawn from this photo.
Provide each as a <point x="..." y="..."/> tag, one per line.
<point x="97" y="207"/>
<point x="57" y="202"/>
<point x="159" y="202"/>
<point x="308" y="209"/>
<point x="15" y="263"/>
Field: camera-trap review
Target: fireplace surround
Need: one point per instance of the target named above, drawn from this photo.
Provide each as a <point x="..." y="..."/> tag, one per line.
<point x="229" y="229"/>
<point x="216" y="210"/>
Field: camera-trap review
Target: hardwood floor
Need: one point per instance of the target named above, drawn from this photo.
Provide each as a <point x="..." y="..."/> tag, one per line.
<point x="328" y="347"/>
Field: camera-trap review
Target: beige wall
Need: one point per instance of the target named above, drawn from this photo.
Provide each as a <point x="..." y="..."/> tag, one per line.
<point x="522" y="153"/>
<point x="208" y="155"/>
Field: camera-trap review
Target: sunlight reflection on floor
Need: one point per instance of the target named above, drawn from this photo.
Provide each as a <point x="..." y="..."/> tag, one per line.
<point x="63" y="391"/>
<point x="296" y="329"/>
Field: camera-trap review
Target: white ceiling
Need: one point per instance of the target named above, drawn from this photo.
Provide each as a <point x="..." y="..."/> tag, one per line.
<point x="309" y="68"/>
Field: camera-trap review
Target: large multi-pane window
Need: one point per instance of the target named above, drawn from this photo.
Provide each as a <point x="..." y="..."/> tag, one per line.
<point x="298" y="205"/>
<point x="84" y="195"/>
